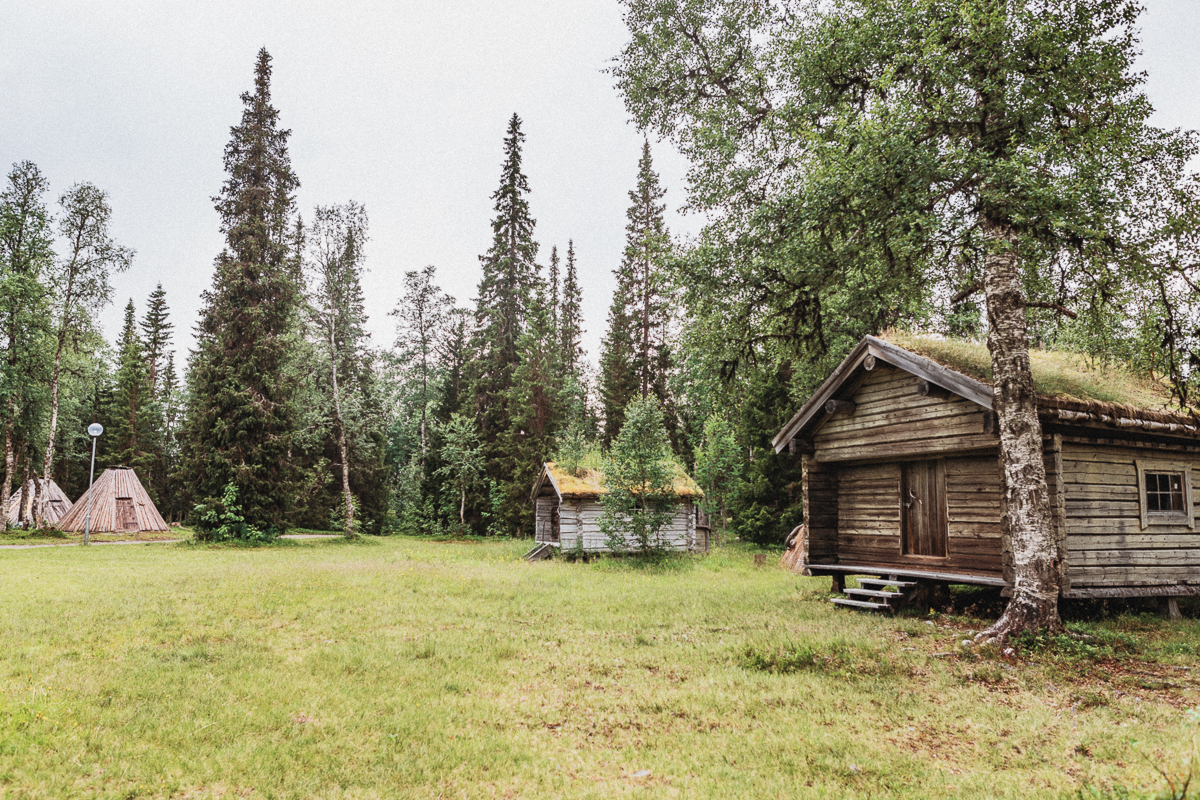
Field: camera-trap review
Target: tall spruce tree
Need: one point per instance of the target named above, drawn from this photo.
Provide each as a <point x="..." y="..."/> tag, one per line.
<point x="134" y="428"/>
<point x="570" y="318"/>
<point x="636" y="360"/>
<point x="569" y="332"/>
<point x="537" y="400"/>
<point x="510" y="277"/>
<point x="554" y="299"/>
<point x="156" y="333"/>
<point x="241" y="419"/>
<point x="422" y="315"/>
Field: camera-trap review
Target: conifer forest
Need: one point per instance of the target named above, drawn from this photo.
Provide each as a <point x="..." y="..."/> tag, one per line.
<point x="286" y="414"/>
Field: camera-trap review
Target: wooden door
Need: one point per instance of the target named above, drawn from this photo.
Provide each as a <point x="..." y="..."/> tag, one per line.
<point x="126" y="515"/>
<point x="923" y="509"/>
<point x="555" y="523"/>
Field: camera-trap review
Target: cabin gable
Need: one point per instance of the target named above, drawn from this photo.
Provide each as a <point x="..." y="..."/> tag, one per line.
<point x="891" y="419"/>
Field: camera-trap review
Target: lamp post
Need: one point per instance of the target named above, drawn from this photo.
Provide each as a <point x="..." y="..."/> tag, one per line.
<point x="94" y="430"/>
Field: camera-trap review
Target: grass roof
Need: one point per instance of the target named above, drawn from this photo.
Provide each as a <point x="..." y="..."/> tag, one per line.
<point x="1056" y="373"/>
<point x="589" y="482"/>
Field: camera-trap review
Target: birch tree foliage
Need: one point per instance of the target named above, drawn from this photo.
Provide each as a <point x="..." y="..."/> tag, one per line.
<point x="79" y="289"/>
<point x="462" y="459"/>
<point x="895" y="154"/>
<point x="335" y="242"/>
<point x="25" y="255"/>
<point x="422" y="319"/>
<point x="846" y="152"/>
<point x="639" y="474"/>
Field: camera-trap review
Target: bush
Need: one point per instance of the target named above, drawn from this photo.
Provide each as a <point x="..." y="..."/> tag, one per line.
<point x="222" y="521"/>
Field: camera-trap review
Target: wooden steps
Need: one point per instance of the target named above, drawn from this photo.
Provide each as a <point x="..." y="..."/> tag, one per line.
<point x="873" y="594"/>
<point x="845" y="601"/>
<point x="879" y="583"/>
<point x="540" y="551"/>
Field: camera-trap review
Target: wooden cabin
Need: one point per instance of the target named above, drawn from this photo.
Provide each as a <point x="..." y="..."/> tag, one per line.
<point x="120" y="505"/>
<point x="901" y="480"/>
<point x="57" y="502"/>
<point x="567" y="512"/>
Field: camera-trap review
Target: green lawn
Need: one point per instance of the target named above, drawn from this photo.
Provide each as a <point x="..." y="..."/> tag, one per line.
<point x="410" y="668"/>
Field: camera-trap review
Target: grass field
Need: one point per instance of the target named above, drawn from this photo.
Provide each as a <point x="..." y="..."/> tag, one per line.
<point x="414" y="668"/>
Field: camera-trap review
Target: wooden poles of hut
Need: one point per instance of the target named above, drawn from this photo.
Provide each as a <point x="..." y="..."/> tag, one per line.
<point x="57" y="502"/>
<point x="119" y="504"/>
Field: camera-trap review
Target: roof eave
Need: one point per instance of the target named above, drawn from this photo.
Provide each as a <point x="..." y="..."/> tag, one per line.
<point x="968" y="388"/>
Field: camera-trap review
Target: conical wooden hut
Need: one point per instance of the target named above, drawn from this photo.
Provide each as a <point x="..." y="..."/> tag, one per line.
<point x="120" y="504"/>
<point x="57" y="503"/>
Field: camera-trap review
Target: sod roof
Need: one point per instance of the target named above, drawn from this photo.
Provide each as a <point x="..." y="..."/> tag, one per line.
<point x="1070" y="387"/>
<point x="589" y="483"/>
<point x="1056" y="373"/>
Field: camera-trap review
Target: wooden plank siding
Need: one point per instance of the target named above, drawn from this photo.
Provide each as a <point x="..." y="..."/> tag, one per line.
<point x="892" y="421"/>
<point x="542" y="518"/>
<point x="581" y="518"/>
<point x="868" y="510"/>
<point x="1107" y="546"/>
<point x="820" y="513"/>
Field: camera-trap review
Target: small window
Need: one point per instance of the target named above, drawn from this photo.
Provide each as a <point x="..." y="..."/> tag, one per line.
<point x="1165" y="493"/>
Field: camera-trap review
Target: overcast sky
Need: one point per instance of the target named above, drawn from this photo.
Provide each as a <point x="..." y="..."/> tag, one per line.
<point x="399" y="105"/>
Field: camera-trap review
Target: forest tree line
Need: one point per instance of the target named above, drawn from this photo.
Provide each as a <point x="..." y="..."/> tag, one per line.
<point x="285" y="414"/>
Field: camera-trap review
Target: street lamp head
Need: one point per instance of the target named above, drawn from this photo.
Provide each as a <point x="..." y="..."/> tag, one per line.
<point x="95" y="429"/>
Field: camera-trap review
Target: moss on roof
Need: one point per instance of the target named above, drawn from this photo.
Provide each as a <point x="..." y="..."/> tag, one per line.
<point x="589" y="482"/>
<point x="1056" y="373"/>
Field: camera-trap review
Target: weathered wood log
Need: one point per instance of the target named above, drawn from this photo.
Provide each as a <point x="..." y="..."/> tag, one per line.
<point x="927" y="389"/>
<point x="1171" y="608"/>
<point x="869" y="363"/>
<point x="840" y="406"/>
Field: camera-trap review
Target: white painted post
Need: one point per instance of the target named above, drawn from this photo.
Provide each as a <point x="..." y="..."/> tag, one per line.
<point x="94" y="430"/>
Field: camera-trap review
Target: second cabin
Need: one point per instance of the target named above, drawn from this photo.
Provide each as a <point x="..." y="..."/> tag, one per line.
<point x="567" y="512"/>
<point x="902" y="476"/>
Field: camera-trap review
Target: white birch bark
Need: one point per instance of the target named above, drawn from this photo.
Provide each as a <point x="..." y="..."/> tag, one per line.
<point x="1025" y="500"/>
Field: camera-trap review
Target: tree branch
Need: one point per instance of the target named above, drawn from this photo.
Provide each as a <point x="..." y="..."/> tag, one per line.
<point x="1054" y="307"/>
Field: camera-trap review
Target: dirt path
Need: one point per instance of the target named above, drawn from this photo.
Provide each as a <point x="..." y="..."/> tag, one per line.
<point x="80" y="544"/>
<point x="155" y="541"/>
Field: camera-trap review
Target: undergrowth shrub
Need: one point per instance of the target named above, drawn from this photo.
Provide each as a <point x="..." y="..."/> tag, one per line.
<point x="836" y="657"/>
<point x="222" y="521"/>
<point x="1097" y="644"/>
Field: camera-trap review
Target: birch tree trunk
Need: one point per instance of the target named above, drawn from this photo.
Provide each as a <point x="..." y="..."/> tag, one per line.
<point x="26" y="493"/>
<point x="337" y="412"/>
<point x="48" y="462"/>
<point x="9" y="462"/>
<point x="1025" y="500"/>
<point x="33" y="489"/>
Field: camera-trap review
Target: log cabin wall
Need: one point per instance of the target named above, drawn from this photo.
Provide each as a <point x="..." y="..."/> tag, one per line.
<point x="820" y="513"/>
<point x="542" y="531"/>
<point x="581" y="518"/>
<point x="854" y="510"/>
<point x="869" y="517"/>
<point x="1110" y="552"/>
<point x="893" y="421"/>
